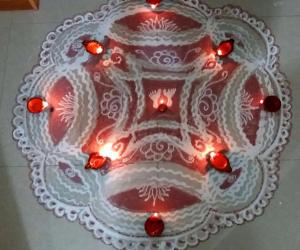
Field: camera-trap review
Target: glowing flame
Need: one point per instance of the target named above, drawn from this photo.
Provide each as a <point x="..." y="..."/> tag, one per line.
<point x="261" y="101"/>
<point x="212" y="154"/>
<point x="209" y="150"/>
<point x="219" y="52"/>
<point x="99" y="50"/>
<point x="108" y="151"/>
<point x="153" y="6"/>
<point x="45" y="104"/>
<point x="93" y="47"/>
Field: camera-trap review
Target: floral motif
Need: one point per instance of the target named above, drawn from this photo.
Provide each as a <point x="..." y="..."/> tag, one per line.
<point x="111" y="104"/>
<point x="66" y="108"/>
<point x="246" y="107"/>
<point x="157" y="151"/>
<point x="158" y="24"/>
<point x="208" y="106"/>
<point x="210" y="64"/>
<point x="154" y="191"/>
<point x="165" y="57"/>
<point x="113" y="56"/>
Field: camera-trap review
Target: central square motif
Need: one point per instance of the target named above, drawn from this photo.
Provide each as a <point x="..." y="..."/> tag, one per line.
<point x="158" y="92"/>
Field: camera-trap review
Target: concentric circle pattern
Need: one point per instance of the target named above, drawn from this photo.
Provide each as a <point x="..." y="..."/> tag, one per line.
<point x="159" y="164"/>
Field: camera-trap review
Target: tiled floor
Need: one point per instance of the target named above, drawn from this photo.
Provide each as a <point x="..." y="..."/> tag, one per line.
<point x="25" y="225"/>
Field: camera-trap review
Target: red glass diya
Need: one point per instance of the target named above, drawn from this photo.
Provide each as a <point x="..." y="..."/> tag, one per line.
<point x="96" y="161"/>
<point x="154" y="225"/>
<point x="219" y="161"/>
<point x="225" y="48"/>
<point x="162" y="104"/>
<point x="36" y="105"/>
<point x="93" y="47"/>
<point x="271" y="103"/>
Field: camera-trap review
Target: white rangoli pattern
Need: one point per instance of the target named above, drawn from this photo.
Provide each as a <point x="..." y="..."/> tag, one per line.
<point x="66" y="108"/>
<point x="158" y="24"/>
<point x="161" y="94"/>
<point x="154" y="192"/>
<point x="110" y="103"/>
<point x="158" y="151"/>
<point x="77" y="45"/>
<point x="246" y="107"/>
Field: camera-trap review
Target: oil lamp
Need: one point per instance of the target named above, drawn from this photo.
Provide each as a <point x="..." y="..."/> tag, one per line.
<point x="154" y="225"/>
<point x="93" y="47"/>
<point x="162" y="104"/>
<point x="97" y="161"/>
<point x="36" y="105"/>
<point x="225" y="48"/>
<point x="219" y="161"/>
<point x="271" y="103"/>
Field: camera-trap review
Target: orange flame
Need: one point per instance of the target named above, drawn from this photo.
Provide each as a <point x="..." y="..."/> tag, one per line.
<point x="108" y="151"/>
<point x="153" y="6"/>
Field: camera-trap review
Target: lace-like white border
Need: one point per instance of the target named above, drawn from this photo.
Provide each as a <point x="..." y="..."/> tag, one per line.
<point x="215" y="221"/>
